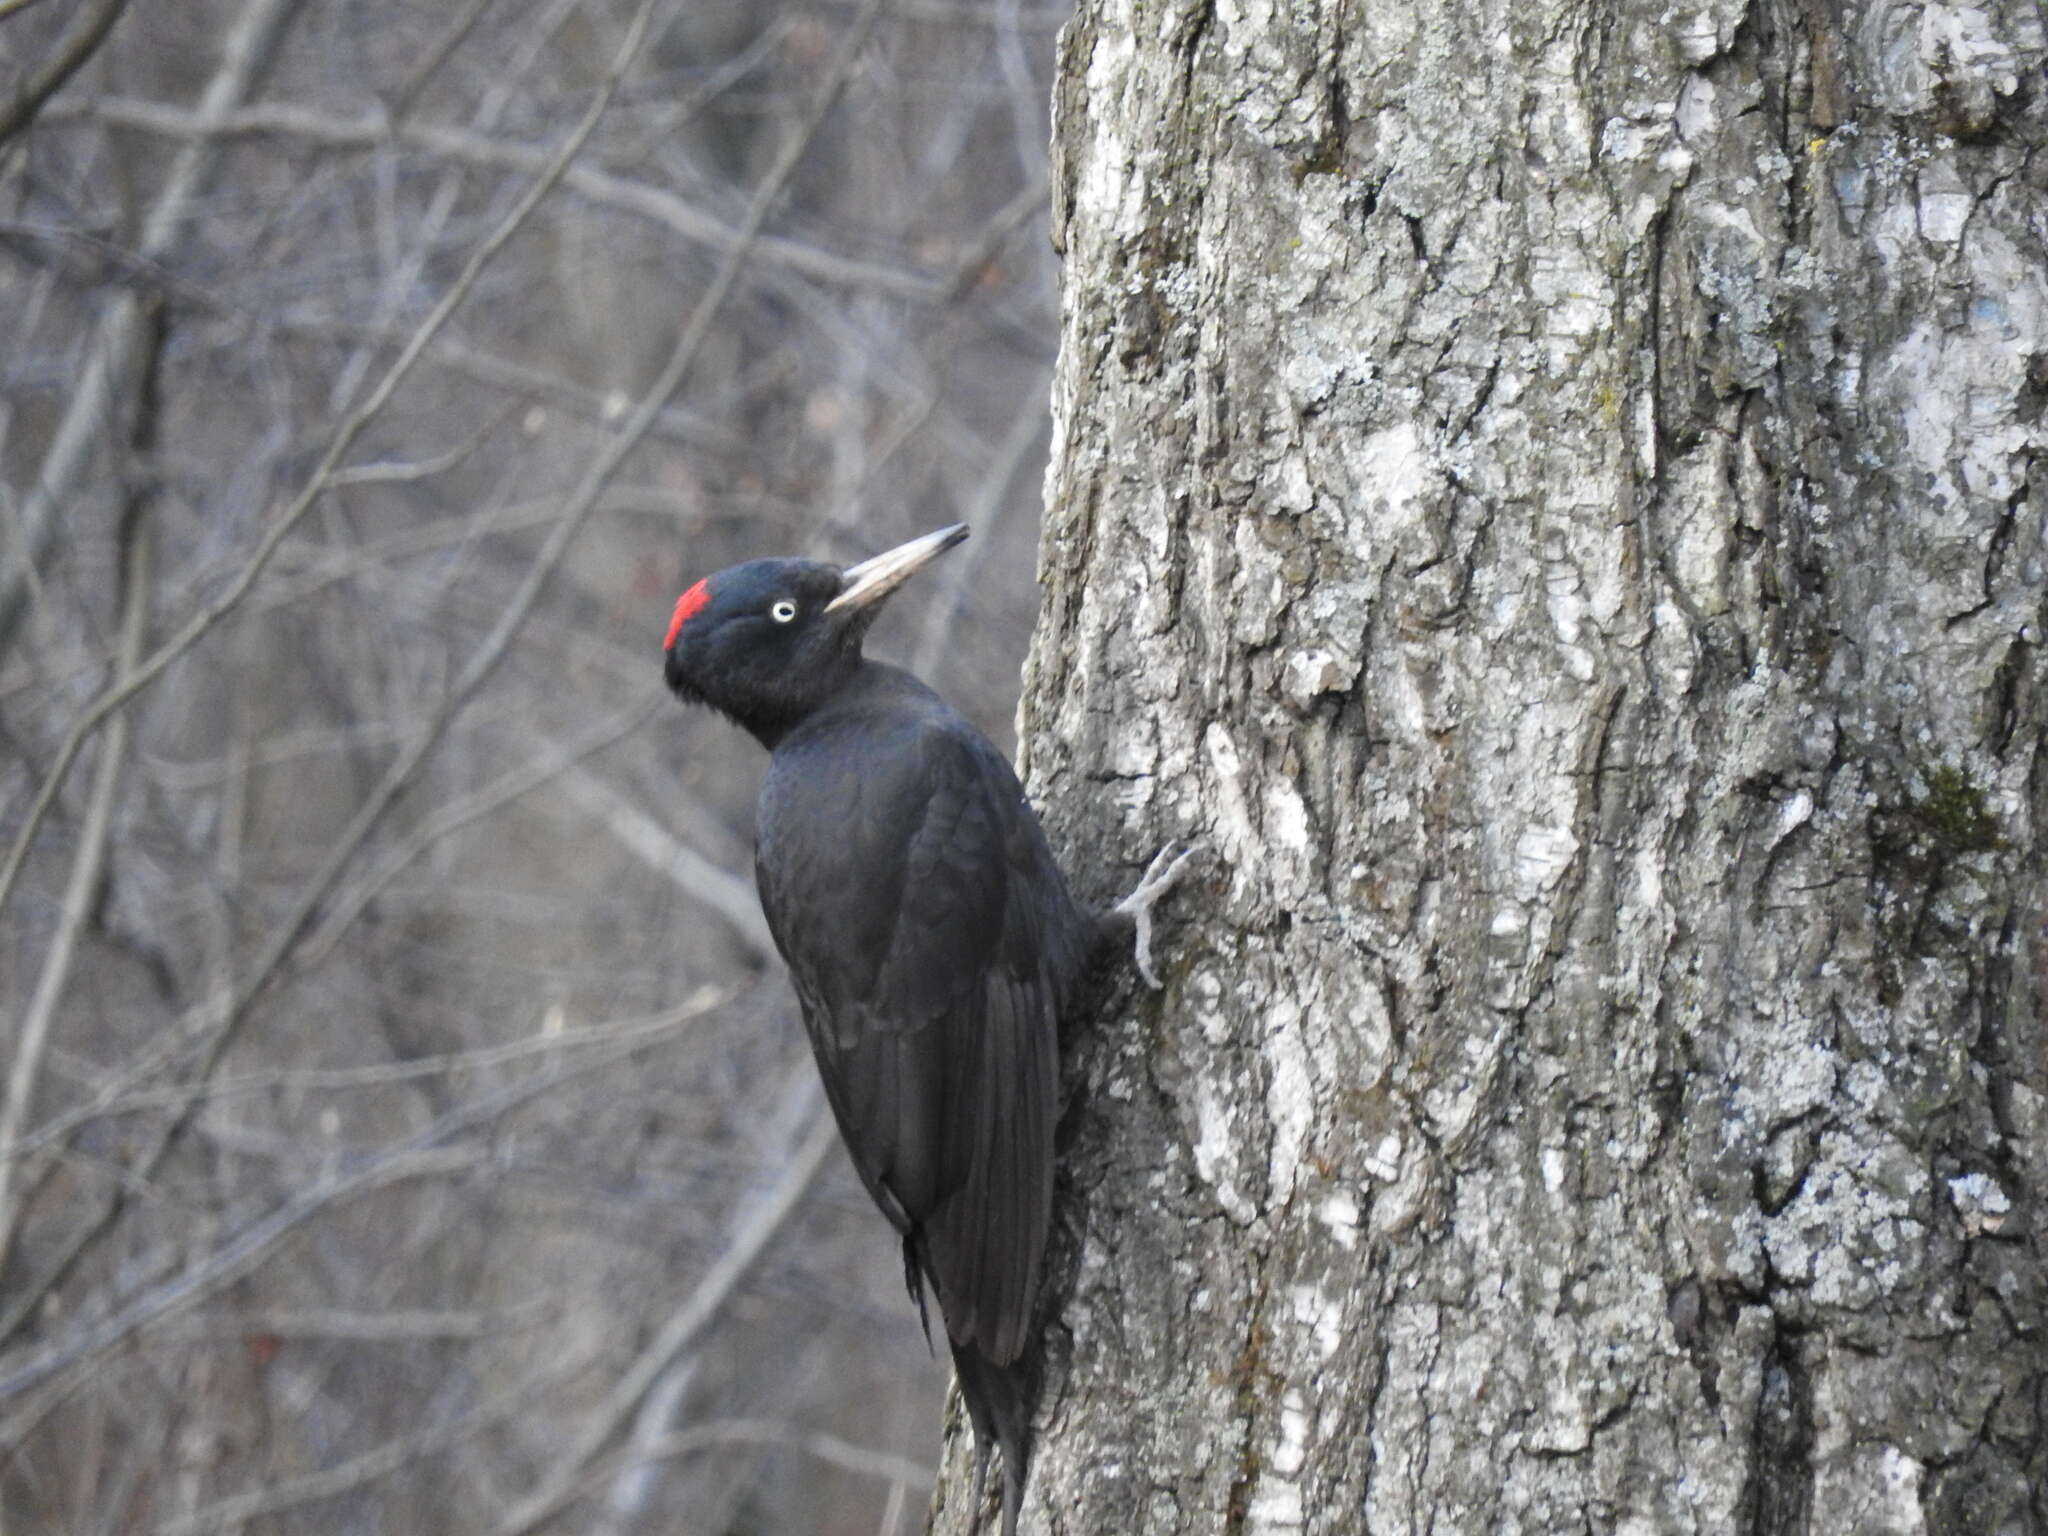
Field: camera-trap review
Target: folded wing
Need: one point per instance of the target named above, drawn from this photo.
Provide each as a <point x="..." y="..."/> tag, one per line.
<point x="928" y="949"/>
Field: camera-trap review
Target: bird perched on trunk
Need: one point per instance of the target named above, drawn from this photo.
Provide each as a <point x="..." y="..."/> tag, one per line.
<point x="932" y="940"/>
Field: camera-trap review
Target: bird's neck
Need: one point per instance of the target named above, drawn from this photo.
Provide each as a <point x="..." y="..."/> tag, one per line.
<point x="869" y="686"/>
<point x="770" y="708"/>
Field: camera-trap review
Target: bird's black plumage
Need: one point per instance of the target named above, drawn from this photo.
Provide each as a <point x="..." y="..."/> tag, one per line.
<point x="929" y="933"/>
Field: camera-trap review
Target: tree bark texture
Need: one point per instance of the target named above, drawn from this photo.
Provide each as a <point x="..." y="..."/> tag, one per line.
<point x="1553" y="495"/>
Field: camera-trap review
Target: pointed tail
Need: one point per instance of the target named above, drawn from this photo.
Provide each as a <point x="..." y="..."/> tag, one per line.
<point x="1000" y="1401"/>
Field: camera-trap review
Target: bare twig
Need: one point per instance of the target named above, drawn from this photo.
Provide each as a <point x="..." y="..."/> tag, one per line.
<point x="957" y="14"/>
<point x="831" y="1449"/>
<point x="111" y="363"/>
<point x="233" y="1259"/>
<point x="400" y="473"/>
<point x="892" y="1512"/>
<point x="315" y="487"/>
<point x="630" y="1034"/>
<point x="573" y="1470"/>
<point x="1026" y="429"/>
<point x="360" y="1471"/>
<point x="420" y="1156"/>
<point x="89" y="28"/>
<point x="633" y="1483"/>
<point x="602" y="188"/>
<point x="403" y="99"/>
<point x="285" y="747"/>
<point x="731" y="896"/>
<point x="387" y="1327"/>
<point x="404" y="275"/>
<point x="312" y="568"/>
<point x="223" y="1027"/>
<point x="560" y="759"/>
<point x="969" y="265"/>
<point x="457" y="356"/>
<point x="84" y="256"/>
<point x="88" y="860"/>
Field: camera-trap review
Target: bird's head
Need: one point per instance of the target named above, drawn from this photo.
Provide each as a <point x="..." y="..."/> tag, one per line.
<point x="769" y="641"/>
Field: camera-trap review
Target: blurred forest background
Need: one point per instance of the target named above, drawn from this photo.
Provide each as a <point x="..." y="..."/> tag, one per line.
<point x="405" y="1125"/>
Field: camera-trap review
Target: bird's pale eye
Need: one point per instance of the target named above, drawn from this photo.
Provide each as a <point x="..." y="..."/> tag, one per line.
<point x="783" y="611"/>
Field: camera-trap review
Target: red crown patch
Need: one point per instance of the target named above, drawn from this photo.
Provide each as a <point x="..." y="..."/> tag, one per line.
<point x="690" y="602"/>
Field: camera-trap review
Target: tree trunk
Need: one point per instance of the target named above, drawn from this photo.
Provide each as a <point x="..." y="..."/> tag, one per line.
<point x="1555" y="499"/>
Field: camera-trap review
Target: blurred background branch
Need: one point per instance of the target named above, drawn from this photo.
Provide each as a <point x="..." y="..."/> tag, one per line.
<point x="405" y="1124"/>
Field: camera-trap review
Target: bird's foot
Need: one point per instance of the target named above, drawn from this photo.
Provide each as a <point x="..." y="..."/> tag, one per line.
<point x="1160" y="877"/>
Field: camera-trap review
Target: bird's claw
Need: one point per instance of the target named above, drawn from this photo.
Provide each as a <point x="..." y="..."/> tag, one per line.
<point x="1160" y="877"/>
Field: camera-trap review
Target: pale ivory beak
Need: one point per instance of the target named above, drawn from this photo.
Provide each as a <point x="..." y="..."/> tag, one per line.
<point x="872" y="580"/>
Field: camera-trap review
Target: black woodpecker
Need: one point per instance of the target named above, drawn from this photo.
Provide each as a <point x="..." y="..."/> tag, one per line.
<point x="931" y="938"/>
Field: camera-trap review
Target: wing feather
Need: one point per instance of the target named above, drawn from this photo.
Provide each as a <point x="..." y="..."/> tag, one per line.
<point x="925" y="926"/>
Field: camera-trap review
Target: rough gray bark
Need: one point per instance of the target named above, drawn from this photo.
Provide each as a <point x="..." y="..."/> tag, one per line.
<point x="1555" y="497"/>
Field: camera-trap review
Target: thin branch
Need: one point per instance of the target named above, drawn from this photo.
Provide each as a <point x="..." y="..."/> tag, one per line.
<point x="369" y="130"/>
<point x="973" y="260"/>
<point x="114" y="1100"/>
<point x="407" y="95"/>
<point x="226" y="1264"/>
<point x="360" y="1471"/>
<point x="110" y="363"/>
<point x="88" y="862"/>
<point x="419" y="1156"/>
<point x="633" y="1483"/>
<point x="402" y="1326"/>
<point x="404" y="277"/>
<point x="731" y="896"/>
<point x="573" y="1469"/>
<point x="561" y="758"/>
<point x="952" y="13"/>
<point x="88" y="258"/>
<point x="406" y="472"/>
<point x="316" y="485"/>
<point x="89" y="28"/>
<point x="993" y="488"/>
<point x="314" y="567"/>
<point x="830" y="1449"/>
<point x="223" y="1027"/>
<point x="457" y="356"/>
<point x="291" y="746"/>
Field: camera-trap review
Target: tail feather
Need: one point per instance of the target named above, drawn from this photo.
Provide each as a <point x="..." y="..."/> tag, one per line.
<point x="913" y="1280"/>
<point x="1000" y="1400"/>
